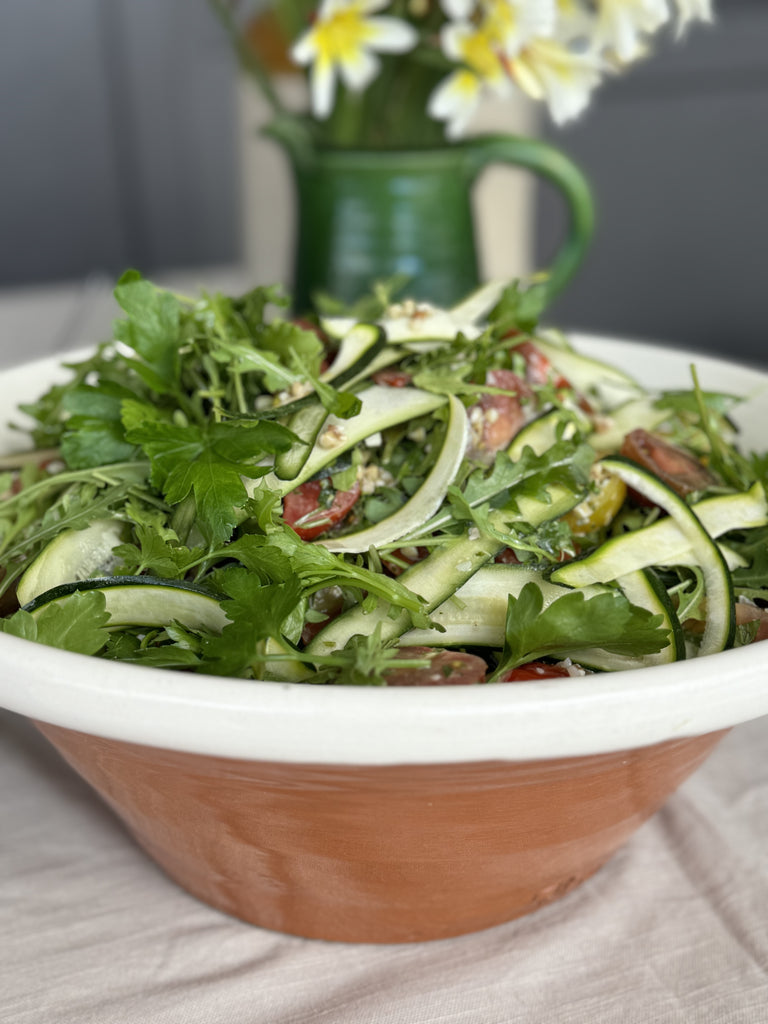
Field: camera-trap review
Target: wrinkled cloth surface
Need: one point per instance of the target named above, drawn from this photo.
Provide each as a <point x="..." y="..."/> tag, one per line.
<point x="673" y="929"/>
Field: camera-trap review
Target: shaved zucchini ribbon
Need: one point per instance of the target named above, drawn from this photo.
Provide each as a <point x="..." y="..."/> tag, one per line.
<point x="684" y="536"/>
<point x="425" y="502"/>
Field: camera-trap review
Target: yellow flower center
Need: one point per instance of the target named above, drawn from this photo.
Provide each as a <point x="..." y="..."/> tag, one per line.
<point x="479" y="52"/>
<point x="341" y="35"/>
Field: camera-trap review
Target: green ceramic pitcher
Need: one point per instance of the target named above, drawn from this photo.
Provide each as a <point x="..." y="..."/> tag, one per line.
<point x="364" y="216"/>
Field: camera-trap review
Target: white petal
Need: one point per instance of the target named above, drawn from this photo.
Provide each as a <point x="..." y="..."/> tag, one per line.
<point x="322" y="83"/>
<point x="359" y="70"/>
<point x="452" y="39"/>
<point x="455" y="100"/>
<point x="622" y="23"/>
<point x="391" y="35"/>
<point x="548" y="70"/>
<point x="693" y="10"/>
<point x="515" y="22"/>
<point x="304" y="49"/>
<point x="459" y="10"/>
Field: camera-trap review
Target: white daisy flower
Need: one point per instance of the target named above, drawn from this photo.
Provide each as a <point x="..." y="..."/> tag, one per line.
<point x="514" y="22"/>
<point x="548" y="70"/>
<point x="621" y="25"/>
<point x="343" y="42"/>
<point x="456" y="98"/>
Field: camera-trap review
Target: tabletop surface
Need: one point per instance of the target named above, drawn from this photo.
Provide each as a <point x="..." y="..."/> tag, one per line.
<point x="673" y="929"/>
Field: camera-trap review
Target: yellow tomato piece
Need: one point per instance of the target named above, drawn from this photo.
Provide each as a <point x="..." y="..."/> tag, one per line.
<point x="597" y="510"/>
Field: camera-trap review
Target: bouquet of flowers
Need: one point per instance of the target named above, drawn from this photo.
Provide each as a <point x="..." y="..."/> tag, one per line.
<point x="387" y="73"/>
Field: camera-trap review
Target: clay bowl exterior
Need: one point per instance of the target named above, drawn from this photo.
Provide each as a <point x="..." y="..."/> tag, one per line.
<point x="379" y="853"/>
<point x="375" y="815"/>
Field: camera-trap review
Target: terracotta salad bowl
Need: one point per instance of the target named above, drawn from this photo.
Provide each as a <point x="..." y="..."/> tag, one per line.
<point x="383" y="813"/>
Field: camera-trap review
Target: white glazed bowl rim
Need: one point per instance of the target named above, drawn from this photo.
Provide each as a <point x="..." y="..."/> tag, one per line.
<point x="422" y="725"/>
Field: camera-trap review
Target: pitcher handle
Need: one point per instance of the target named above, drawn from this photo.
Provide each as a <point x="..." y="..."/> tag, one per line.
<point x="552" y="164"/>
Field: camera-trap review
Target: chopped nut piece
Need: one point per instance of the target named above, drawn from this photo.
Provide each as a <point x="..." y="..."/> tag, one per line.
<point x="332" y="437"/>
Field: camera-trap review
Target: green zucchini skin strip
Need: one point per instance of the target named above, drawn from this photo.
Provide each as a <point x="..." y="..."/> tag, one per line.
<point x="441" y="574"/>
<point x="476" y="614"/>
<point x="719" y="629"/>
<point x="359" y="348"/>
<point x="425" y="502"/>
<point x="664" y="542"/>
<point x="588" y="375"/>
<point x="382" y="407"/>
<point x="145" y="601"/>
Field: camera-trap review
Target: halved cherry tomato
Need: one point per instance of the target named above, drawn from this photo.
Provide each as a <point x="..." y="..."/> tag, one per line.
<point x="328" y="601"/>
<point x="392" y="378"/>
<point x="601" y="504"/>
<point x="751" y="613"/>
<point x="446" y="668"/>
<point x="534" y="670"/>
<point x="539" y="370"/>
<point x="675" y="467"/>
<point x="304" y="511"/>
<point x="495" y="419"/>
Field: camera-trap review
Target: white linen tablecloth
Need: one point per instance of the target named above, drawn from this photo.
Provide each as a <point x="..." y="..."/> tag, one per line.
<point x="674" y="929"/>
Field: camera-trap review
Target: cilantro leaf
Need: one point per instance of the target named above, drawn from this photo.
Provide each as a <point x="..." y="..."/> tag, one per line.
<point x="208" y="461"/>
<point x="573" y="623"/>
<point x="282" y="555"/>
<point x="259" y="612"/>
<point x="151" y="329"/>
<point x="75" y="623"/>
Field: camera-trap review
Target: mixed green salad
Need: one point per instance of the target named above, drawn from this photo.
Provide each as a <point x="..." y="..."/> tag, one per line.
<point x="399" y="496"/>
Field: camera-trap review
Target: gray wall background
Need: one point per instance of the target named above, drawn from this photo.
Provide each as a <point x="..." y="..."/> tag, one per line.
<point x="677" y="152"/>
<point x="119" y="147"/>
<point x="117" y="138"/>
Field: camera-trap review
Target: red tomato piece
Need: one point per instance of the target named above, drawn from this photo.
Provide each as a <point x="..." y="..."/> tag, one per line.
<point x="751" y="613"/>
<point x="496" y="419"/>
<point x="446" y="668"/>
<point x="304" y="511"/>
<point x="534" y="670"/>
<point x="328" y="601"/>
<point x="675" y="467"/>
<point x="507" y="557"/>
<point x="538" y="369"/>
<point x="392" y="378"/>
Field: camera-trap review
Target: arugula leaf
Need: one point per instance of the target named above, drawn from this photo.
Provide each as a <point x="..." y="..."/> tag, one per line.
<point x="574" y="623"/>
<point x="507" y="481"/>
<point x="752" y="580"/>
<point x="519" y="309"/>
